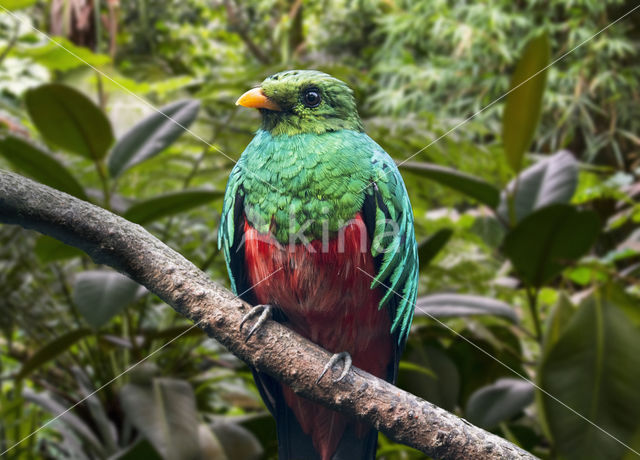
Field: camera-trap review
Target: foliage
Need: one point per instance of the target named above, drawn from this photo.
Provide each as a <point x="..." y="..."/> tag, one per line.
<point x="527" y="213"/>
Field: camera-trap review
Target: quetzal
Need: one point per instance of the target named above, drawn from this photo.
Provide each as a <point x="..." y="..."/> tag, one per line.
<point x="317" y="230"/>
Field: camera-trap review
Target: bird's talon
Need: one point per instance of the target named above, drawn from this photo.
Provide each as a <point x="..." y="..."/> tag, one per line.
<point x="265" y="313"/>
<point x="342" y="356"/>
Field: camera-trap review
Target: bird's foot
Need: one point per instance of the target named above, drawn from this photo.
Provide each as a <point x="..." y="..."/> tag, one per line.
<point x="342" y="356"/>
<point x="265" y="313"/>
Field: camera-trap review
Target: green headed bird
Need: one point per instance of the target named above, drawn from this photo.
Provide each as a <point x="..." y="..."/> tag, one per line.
<point x="317" y="230"/>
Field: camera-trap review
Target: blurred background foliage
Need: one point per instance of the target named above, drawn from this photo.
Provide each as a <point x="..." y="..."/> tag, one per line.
<point x="530" y="246"/>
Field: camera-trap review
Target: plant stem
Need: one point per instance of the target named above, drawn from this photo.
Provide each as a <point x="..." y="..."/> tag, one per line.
<point x="105" y="183"/>
<point x="532" y="297"/>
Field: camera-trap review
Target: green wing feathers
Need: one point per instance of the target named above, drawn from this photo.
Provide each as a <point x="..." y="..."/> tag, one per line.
<point x="394" y="240"/>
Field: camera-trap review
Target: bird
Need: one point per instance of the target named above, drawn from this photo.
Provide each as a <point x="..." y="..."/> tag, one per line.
<point x="317" y="232"/>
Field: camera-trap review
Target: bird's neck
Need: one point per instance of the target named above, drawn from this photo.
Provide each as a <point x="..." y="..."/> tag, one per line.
<point x="288" y="123"/>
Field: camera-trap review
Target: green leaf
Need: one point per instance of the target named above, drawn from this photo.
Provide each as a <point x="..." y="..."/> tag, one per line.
<point x="237" y="441"/>
<point x="524" y="102"/>
<point x="100" y="295"/>
<point x="489" y="229"/>
<point x="17" y="4"/>
<point x="430" y="247"/>
<point x="164" y="411"/>
<point x="71" y="420"/>
<point x="471" y="186"/>
<point x="69" y="119"/>
<point x="52" y="349"/>
<point x="552" y="180"/>
<point x="440" y="384"/>
<point x="594" y="368"/>
<point x="544" y="242"/>
<point x="40" y="165"/>
<point x="460" y="305"/>
<point x="49" y="249"/>
<point x="62" y="57"/>
<point x="157" y="207"/>
<point x="152" y="135"/>
<point x="500" y="401"/>
<point x="558" y="320"/>
<point x="413" y="367"/>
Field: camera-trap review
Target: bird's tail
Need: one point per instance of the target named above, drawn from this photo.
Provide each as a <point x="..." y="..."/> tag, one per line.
<point x="321" y="434"/>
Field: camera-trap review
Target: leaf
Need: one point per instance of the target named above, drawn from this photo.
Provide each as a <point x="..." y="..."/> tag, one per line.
<point x="560" y="316"/>
<point x="524" y="101"/>
<point x="100" y="295"/>
<point x="52" y="349"/>
<point x="442" y="386"/>
<point x="593" y="368"/>
<point x="152" y="135"/>
<point x="63" y="56"/>
<point x="544" y="242"/>
<point x="104" y="426"/>
<point x="157" y="207"/>
<point x="17" y="4"/>
<point x="40" y="165"/>
<point x="489" y="229"/>
<point x="552" y="180"/>
<point x="70" y="419"/>
<point x="430" y="247"/>
<point x="141" y="449"/>
<point x="237" y="441"/>
<point x="49" y="249"/>
<point x="164" y="411"/>
<point x="500" y="401"/>
<point x="471" y="186"/>
<point x="69" y="119"/>
<point x="460" y="305"/>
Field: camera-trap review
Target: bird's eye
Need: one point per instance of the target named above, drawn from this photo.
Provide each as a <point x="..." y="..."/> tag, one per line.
<point x="311" y="98"/>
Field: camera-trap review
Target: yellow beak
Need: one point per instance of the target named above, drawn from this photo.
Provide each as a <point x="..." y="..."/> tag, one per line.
<point x="256" y="99"/>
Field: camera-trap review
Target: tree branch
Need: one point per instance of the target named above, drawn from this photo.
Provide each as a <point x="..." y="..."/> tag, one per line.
<point x="130" y="249"/>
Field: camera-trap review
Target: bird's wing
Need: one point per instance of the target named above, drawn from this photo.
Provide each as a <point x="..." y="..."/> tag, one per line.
<point x="387" y="212"/>
<point x="231" y="233"/>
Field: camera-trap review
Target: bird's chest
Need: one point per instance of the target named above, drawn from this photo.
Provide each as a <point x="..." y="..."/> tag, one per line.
<point x="321" y="287"/>
<point x="302" y="189"/>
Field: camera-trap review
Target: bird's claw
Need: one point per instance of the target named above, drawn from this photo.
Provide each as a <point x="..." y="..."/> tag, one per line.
<point x="342" y="356"/>
<point x="265" y="313"/>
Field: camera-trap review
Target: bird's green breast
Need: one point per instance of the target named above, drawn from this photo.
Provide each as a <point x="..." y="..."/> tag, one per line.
<point x="304" y="184"/>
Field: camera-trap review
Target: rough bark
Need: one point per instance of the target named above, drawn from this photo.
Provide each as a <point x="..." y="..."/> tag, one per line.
<point x="274" y="349"/>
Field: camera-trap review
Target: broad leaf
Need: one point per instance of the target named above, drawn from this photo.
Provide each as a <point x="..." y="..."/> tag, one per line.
<point x="558" y="320"/>
<point x="63" y="55"/>
<point x="49" y="249"/>
<point x="152" y="135"/>
<point x="459" y="305"/>
<point x="593" y="368"/>
<point x="434" y="376"/>
<point x="237" y="441"/>
<point x="69" y="119"/>
<point x="17" y="4"/>
<point x="552" y="180"/>
<point x="430" y="247"/>
<point x="471" y="186"/>
<point x="164" y="411"/>
<point x="100" y="295"/>
<point x="155" y="208"/>
<point x="544" y="242"/>
<point x="52" y="349"/>
<point x="524" y="101"/>
<point x="40" y="165"/>
<point x="504" y="399"/>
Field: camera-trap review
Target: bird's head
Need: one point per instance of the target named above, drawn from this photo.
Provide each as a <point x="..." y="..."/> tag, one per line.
<point x="303" y="101"/>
